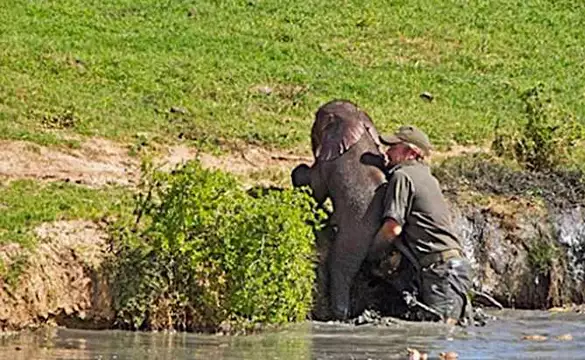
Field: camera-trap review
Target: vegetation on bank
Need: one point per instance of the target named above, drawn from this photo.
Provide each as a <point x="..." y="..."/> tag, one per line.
<point x="203" y="254"/>
<point x="547" y="140"/>
<point x="257" y="69"/>
<point x="535" y="172"/>
<point x="542" y="157"/>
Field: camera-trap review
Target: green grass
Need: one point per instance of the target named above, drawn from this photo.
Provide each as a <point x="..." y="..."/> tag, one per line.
<point x="115" y="68"/>
<point x="25" y="204"/>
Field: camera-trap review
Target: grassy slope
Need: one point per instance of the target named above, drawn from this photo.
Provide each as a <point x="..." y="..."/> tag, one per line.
<point x="25" y="204"/>
<point x="114" y="68"/>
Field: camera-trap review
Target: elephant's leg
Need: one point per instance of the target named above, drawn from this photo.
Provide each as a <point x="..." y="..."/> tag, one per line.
<point x="348" y="253"/>
<point x="321" y="309"/>
<point x="324" y="240"/>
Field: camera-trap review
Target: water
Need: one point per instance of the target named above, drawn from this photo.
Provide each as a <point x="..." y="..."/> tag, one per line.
<point x="501" y="339"/>
<point x="570" y="225"/>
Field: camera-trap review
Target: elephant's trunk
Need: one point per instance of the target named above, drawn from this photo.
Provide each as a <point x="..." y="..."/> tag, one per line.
<point x="301" y="175"/>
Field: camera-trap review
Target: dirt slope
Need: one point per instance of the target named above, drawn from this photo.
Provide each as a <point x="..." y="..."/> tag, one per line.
<point x="99" y="162"/>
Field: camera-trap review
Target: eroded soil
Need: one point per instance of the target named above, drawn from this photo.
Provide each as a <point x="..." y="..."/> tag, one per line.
<point x="100" y="162"/>
<point x="60" y="278"/>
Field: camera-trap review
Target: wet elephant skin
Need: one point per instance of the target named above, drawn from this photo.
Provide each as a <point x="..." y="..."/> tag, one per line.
<point x="347" y="170"/>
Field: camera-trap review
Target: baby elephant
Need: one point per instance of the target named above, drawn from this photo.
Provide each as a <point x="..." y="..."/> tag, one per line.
<point x="348" y="169"/>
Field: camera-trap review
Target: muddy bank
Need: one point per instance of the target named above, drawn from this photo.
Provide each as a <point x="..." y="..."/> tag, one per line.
<point x="524" y="234"/>
<point x="60" y="281"/>
<point x="523" y="231"/>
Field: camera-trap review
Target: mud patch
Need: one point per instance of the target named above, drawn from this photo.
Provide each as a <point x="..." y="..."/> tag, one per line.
<point x="240" y="161"/>
<point x="485" y="174"/>
<point x="96" y="163"/>
<point x="61" y="281"/>
<point x="521" y="229"/>
<point x="99" y="162"/>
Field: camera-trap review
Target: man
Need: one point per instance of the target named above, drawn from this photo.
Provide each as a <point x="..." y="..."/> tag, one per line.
<point x="416" y="222"/>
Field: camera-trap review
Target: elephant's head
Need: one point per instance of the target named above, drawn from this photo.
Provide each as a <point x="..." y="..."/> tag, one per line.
<point x="338" y="125"/>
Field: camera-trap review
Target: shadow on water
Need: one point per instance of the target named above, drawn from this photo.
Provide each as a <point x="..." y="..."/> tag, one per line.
<point x="500" y="339"/>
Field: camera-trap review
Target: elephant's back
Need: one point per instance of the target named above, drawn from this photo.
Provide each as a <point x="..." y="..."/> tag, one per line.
<point x="356" y="182"/>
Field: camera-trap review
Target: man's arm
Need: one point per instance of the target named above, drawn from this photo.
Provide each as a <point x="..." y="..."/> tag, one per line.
<point x="397" y="202"/>
<point x="384" y="238"/>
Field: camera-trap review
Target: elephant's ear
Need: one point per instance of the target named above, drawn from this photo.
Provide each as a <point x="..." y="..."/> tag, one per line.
<point x="367" y="121"/>
<point x="338" y="125"/>
<point x="338" y="136"/>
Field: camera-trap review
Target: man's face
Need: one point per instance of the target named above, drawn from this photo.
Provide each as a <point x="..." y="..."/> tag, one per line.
<point x="396" y="153"/>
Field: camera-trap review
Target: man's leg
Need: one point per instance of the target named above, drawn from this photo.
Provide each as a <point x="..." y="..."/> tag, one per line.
<point x="444" y="288"/>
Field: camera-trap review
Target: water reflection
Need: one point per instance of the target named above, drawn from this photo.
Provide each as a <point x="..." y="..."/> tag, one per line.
<point x="499" y="340"/>
<point x="293" y="343"/>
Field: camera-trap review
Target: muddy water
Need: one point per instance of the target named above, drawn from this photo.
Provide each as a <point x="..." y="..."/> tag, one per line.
<point x="501" y="339"/>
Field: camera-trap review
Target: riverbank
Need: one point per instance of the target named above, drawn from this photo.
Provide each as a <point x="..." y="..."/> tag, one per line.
<point x="57" y="204"/>
<point x="524" y="237"/>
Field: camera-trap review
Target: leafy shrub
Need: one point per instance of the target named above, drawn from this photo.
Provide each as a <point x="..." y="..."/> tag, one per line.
<point x="546" y="140"/>
<point x="203" y="254"/>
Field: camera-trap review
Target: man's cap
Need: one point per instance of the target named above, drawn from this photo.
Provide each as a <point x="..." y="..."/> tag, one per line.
<point x="409" y="134"/>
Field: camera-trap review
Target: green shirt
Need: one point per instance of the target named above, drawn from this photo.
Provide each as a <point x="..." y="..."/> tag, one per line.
<point x="414" y="199"/>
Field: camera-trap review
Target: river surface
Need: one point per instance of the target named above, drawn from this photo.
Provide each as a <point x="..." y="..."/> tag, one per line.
<point x="500" y="339"/>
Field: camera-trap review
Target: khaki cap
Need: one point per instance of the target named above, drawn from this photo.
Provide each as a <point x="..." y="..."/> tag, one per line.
<point x="409" y="134"/>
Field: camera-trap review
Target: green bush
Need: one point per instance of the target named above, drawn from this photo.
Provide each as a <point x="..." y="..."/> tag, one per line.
<point x="547" y="139"/>
<point x="203" y="254"/>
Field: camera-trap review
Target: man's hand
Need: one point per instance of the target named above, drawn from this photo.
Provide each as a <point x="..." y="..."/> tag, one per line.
<point x="388" y="265"/>
<point x="384" y="238"/>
